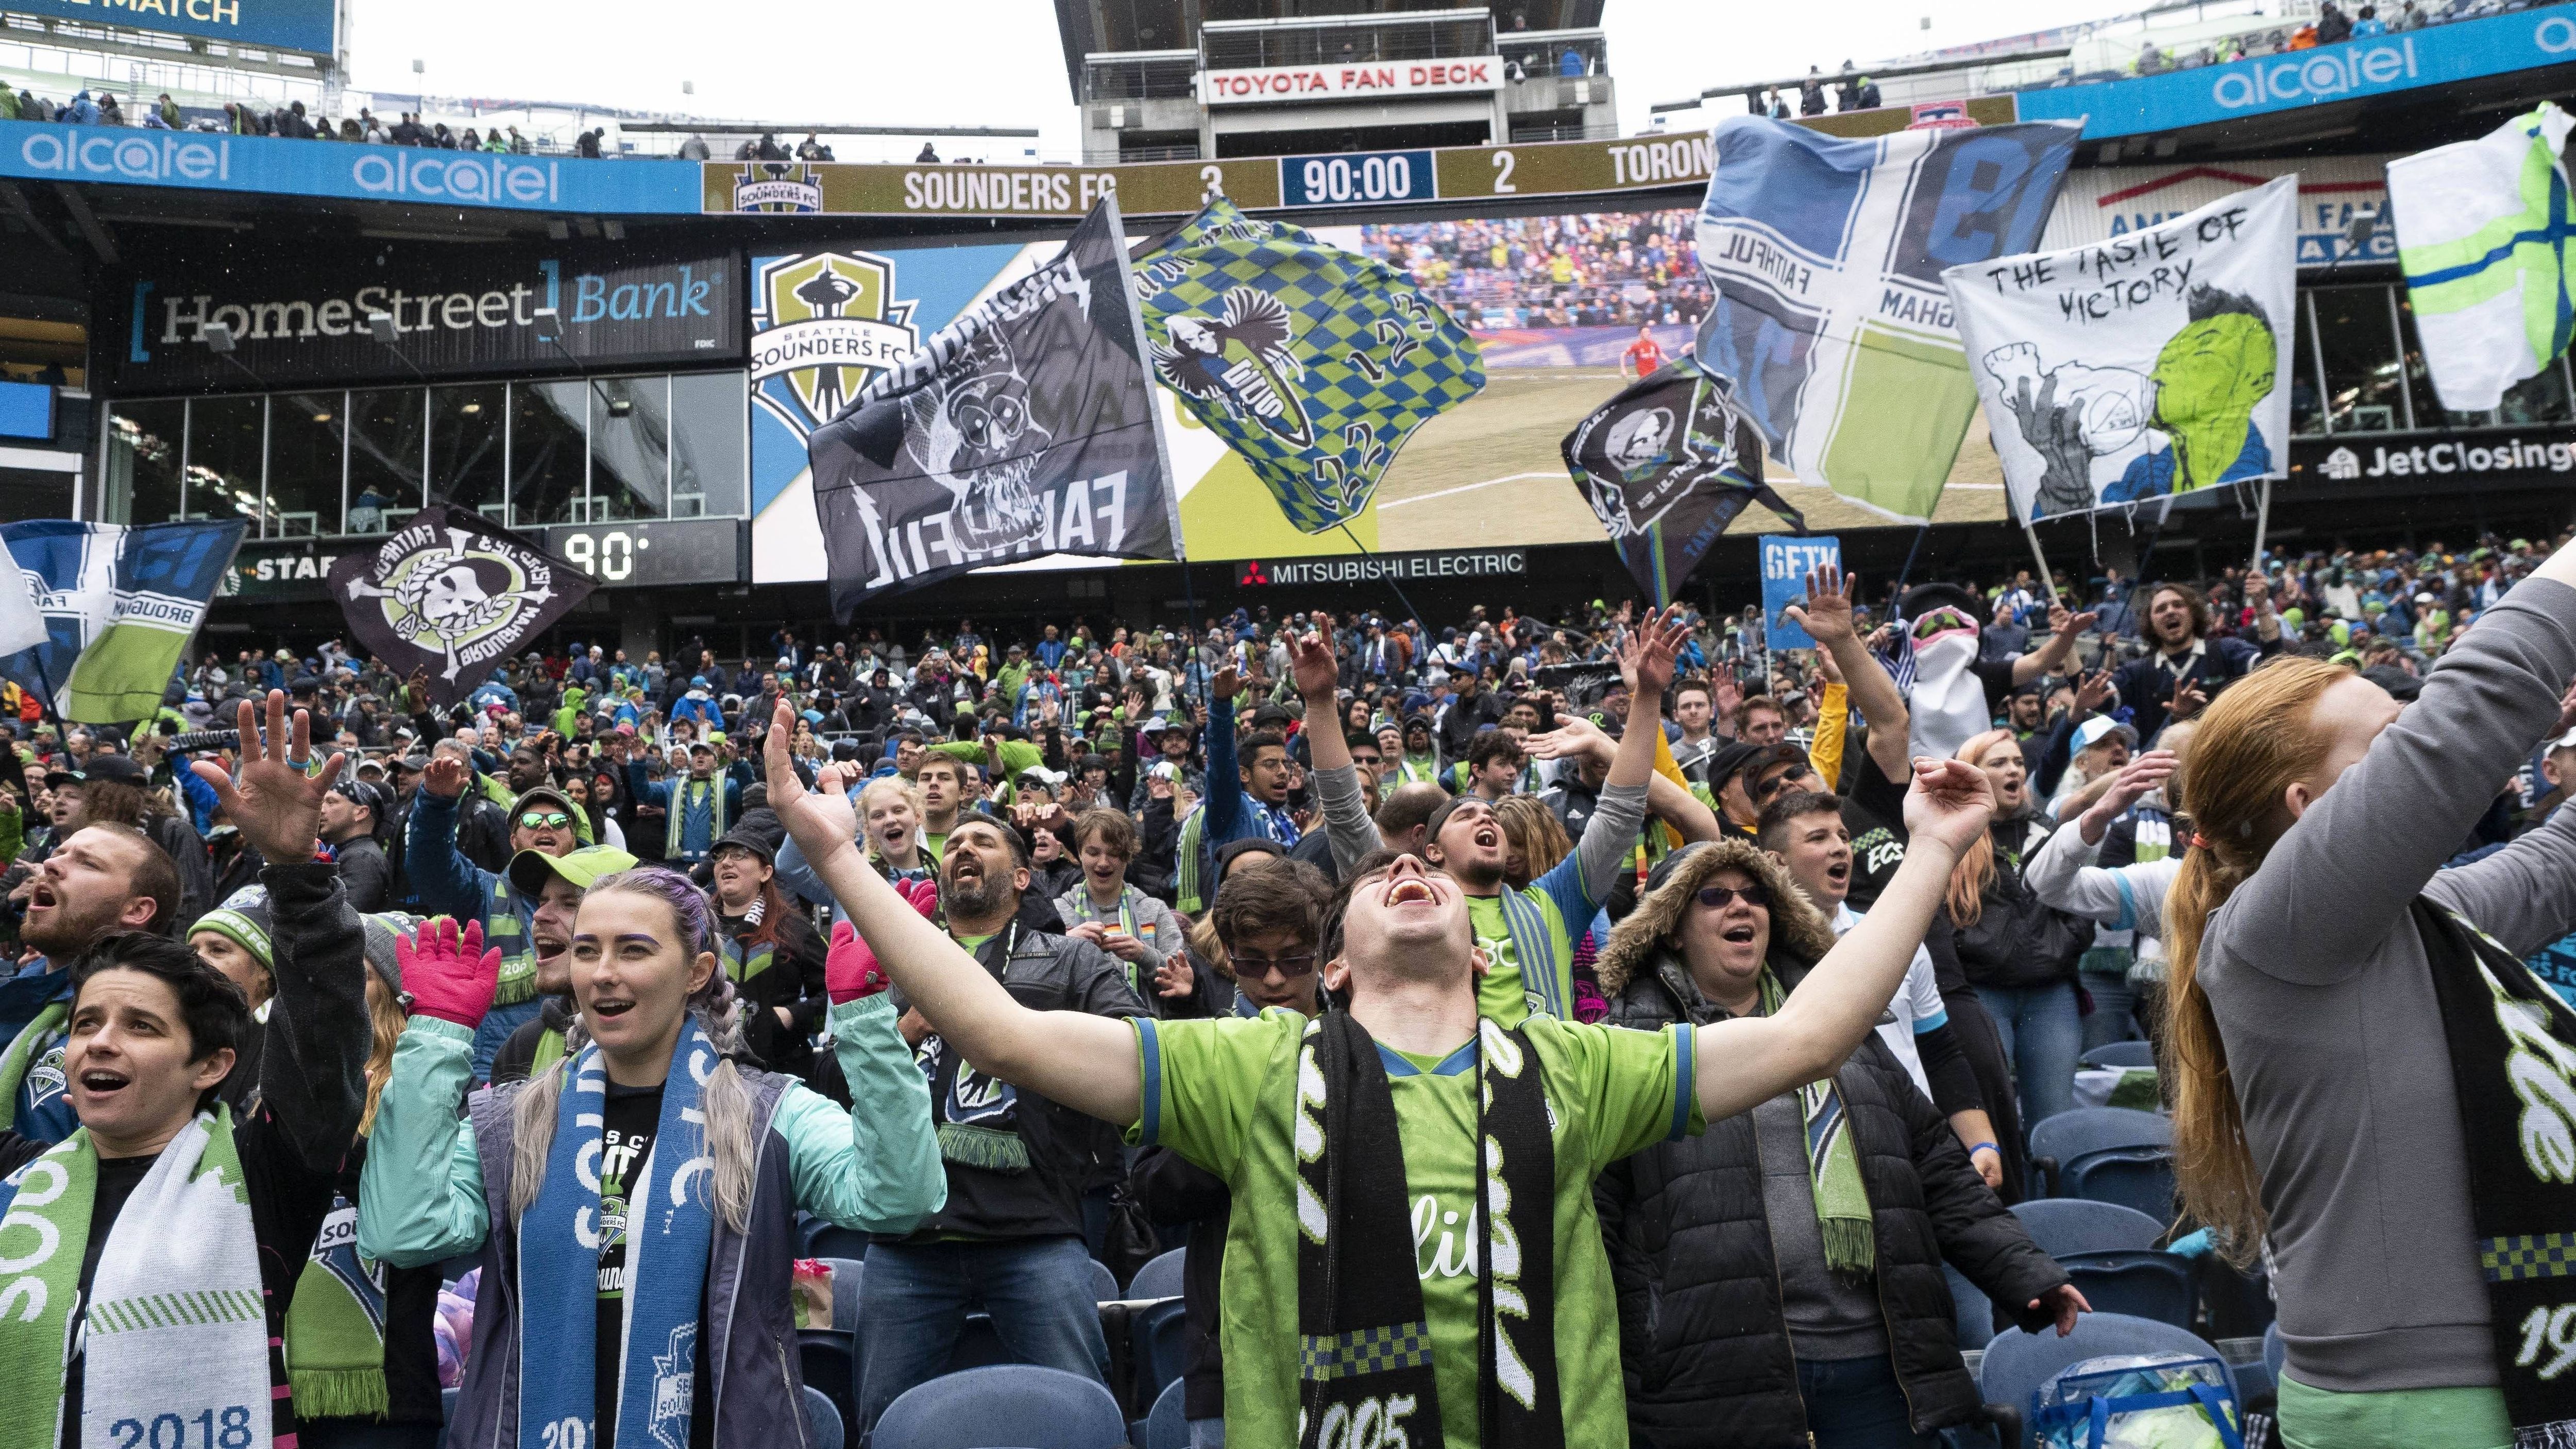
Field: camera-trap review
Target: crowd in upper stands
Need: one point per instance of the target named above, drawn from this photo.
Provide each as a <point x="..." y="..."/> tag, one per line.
<point x="767" y="899"/>
<point x="1612" y="269"/>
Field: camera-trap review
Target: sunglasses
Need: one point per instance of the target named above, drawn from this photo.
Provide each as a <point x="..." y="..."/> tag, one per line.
<point x="1939" y="620"/>
<point x="1716" y="898"/>
<point x="1289" y="967"/>
<point x="1371" y="759"/>
<point x="544" y="820"/>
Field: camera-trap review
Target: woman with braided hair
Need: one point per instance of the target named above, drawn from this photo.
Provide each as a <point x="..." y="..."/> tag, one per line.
<point x="649" y="1177"/>
<point x="2366" y="1077"/>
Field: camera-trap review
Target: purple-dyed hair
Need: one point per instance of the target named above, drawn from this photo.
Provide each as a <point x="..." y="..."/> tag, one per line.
<point x="697" y="925"/>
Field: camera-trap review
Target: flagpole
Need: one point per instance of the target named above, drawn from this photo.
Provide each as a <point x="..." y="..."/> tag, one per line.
<point x="1162" y="448"/>
<point x="1390" y="579"/>
<point x="2047" y="580"/>
<point x="2262" y="523"/>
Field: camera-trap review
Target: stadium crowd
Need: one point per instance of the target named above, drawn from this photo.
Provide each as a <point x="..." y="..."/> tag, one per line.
<point x="1608" y="269"/>
<point x="1005" y="958"/>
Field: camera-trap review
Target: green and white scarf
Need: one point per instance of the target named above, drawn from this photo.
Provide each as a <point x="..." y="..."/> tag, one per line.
<point x="20" y="1058"/>
<point x="1833" y="1166"/>
<point x="174" y="1330"/>
<point x="335" y="1330"/>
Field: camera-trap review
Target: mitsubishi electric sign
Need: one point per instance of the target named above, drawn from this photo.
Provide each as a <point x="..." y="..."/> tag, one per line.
<point x="445" y="311"/>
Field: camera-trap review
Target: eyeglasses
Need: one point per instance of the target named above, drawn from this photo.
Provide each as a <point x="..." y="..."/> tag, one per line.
<point x="544" y="820"/>
<point x="1716" y="898"/>
<point x="1368" y="759"/>
<point x="1288" y="967"/>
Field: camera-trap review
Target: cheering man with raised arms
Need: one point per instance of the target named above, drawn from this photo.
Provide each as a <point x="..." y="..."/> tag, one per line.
<point x="1331" y="1132"/>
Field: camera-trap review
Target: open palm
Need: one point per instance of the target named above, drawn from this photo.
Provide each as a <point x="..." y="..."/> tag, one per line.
<point x="1826" y="614"/>
<point x="275" y="805"/>
<point x="821" y="821"/>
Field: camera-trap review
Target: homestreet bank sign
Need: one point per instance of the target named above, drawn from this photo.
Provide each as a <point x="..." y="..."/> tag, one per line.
<point x="352" y="172"/>
<point x="475" y="313"/>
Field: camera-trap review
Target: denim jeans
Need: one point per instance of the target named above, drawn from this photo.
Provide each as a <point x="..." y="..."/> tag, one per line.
<point x="1855" y="1403"/>
<point x="2113" y="1006"/>
<point x="2043" y="1034"/>
<point x="914" y="1298"/>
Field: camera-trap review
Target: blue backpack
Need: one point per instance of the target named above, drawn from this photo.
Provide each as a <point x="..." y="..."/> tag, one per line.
<point x="2138" y="1401"/>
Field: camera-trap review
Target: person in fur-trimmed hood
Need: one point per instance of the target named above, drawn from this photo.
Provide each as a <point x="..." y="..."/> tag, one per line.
<point x="1780" y="1276"/>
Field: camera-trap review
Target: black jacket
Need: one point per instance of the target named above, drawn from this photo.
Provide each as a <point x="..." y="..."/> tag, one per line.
<point x="1704" y="1345"/>
<point x="366" y="875"/>
<point x="2146" y="686"/>
<point x="2016" y="941"/>
<point x="312" y="1086"/>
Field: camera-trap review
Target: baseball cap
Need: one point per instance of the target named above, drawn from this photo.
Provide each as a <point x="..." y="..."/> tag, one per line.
<point x="750" y="840"/>
<point x="120" y="769"/>
<point x="2101" y="727"/>
<point x="1728" y="761"/>
<point x="540" y="795"/>
<point x="529" y="868"/>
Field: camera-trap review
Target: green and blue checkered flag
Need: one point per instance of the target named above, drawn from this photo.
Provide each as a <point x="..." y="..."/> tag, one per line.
<point x="1315" y="364"/>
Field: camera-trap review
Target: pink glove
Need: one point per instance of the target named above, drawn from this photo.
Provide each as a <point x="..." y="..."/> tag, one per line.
<point x="851" y="971"/>
<point x="448" y="975"/>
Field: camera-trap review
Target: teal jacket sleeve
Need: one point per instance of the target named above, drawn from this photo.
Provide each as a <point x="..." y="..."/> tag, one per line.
<point x="420" y="1199"/>
<point x="875" y="1169"/>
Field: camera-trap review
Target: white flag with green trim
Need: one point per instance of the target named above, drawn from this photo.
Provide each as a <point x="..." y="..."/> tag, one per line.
<point x="2483" y="233"/>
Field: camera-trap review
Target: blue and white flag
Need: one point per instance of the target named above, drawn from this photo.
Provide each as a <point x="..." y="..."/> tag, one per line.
<point x="1826" y="257"/>
<point x="2483" y="231"/>
<point x="119" y="606"/>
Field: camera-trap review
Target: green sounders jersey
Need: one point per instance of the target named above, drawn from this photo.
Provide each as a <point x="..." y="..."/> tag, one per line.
<point x="1221" y="1093"/>
<point x="1527" y="936"/>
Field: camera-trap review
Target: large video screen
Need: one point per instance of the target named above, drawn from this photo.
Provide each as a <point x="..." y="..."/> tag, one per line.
<point x="1555" y="302"/>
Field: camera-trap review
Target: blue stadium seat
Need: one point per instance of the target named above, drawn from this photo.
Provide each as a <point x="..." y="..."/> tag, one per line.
<point x="2142" y="1284"/>
<point x="2063" y="1225"/>
<point x="2107" y="1154"/>
<point x="1161" y="1277"/>
<point x="2018" y="1362"/>
<point x="822" y="1421"/>
<point x="1104" y="1283"/>
<point x="846" y="1276"/>
<point x="1019" y="1405"/>
<point x="830" y="1240"/>
<point x="2119" y="1054"/>
<point x="829" y="1362"/>
<point x="1168" y="1427"/>
<point x="1161" y="1339"/>
<point x="1975" y="1311"/>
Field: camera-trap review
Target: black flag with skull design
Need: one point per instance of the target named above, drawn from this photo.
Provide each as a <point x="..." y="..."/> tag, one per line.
<point x="455" y="594"/>
<point x="1666" y="466"/>
<point x="1026" y="427"/>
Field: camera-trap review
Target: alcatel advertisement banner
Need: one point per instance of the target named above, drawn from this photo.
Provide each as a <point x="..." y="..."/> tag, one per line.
<point x="121" y="157"/>
<point x="2349" y="70"/>
<point x="452" y="312"/>
<point x="310" y="26"/>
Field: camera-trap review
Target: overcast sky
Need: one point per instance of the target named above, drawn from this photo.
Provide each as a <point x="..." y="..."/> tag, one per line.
<point x="999" y="63"/>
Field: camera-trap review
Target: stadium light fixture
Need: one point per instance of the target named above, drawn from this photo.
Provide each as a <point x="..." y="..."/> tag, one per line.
<point x="381" y="327"/>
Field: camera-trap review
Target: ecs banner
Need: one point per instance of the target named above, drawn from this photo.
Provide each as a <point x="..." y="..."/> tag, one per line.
<point x="292" y="321"/>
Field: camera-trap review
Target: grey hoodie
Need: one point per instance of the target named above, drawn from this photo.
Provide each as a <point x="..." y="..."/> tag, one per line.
<point x="2324" y="1000"/>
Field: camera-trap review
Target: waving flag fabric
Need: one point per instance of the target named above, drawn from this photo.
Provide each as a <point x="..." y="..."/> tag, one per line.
<point x="1830" y="318"/>
<point x="1667" y="465"/>
<point x="2149" y="364"/>
<point x="119" y="605"/>
<point x="2483" y="233"/>
<point x="1314" y="364"/>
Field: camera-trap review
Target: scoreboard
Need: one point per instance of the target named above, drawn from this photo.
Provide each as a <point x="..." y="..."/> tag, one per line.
<point x="1338" y="181"/>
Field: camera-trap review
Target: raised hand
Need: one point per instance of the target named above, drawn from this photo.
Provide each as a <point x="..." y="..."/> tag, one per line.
<point x="2065" y="625"/>
<point x="822" y="823"/>
<point x="2188" y="699"/>
<point x="277" y="806"/>
<point x="1312" y="665"/>
<point x="1826" y="614"/>
<point x="1573" y="738"/>
<point x="445" y="778"/>
<point x="447" y="973"/>
<point x="1950" y="803"/>
<point x="2137" y="779"/>
<point x="851" y="970"/>
<point x="2093" y="693"/>
<point x="1646" y="660"/>
<point x="1227" y="683"/>
<point x="2566" y="711"/>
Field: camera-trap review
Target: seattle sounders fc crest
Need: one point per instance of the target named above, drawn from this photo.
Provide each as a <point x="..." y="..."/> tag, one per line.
<point x="777" y="186"/>
<point x="823" y="324"/>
